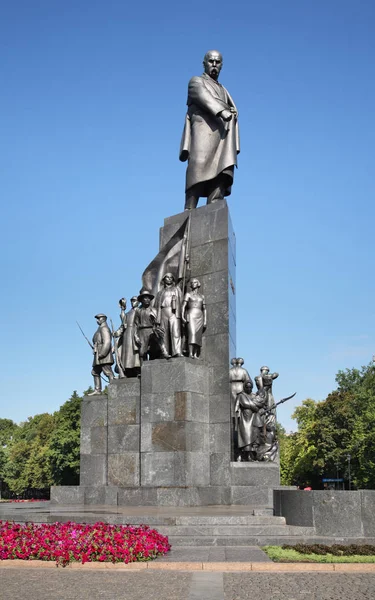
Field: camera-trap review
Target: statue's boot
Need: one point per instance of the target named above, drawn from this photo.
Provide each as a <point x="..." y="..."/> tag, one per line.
<point x="98" y="386"/>
<point x="164" y="352"/>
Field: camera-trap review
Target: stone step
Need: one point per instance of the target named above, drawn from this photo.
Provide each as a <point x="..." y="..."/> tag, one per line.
<point x="240" y="540"/>
<point x="234" y="530"/>
<point x="230" y="520"/>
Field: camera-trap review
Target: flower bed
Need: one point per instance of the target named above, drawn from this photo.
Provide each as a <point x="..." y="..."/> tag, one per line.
<point x="69" y="542"/>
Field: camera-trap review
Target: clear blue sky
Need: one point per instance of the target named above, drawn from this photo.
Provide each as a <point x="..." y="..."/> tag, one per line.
<point x="92" y="109"/>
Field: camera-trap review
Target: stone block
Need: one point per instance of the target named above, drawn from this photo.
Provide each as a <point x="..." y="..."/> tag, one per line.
<point x="337" y="513"/>
<point x="124" y="388"/>
<point x="209" y="223"/>
<point x="251" y="495"/>
<point x="85" y="441"/>
<point x="93" y="440"/>
<point x="157" y="407"/>
<point x="175" y="375"/>
<point x="217" y="318"/>
<point x="219" y="381"/>
<point x="174" y="436"/>
<point x="171" y="469"/>
<point x="94" y="411"/>
<point x="220" y="254"/>
<point x="368" y="512"/>
<point x="217" y="350"/>
<point x="178" y="497"/>
<point x="190" y="406"/>
<point x="93" y="469"/>
<point x="123" y="438"/>
<point x="67" y="494"/>
<point x="258" y="474"/>
<point x="220" y="469"/>
<point x="123" y="411"/>
<point x="141" y="496"/>
<point x="295" y="505"/>
<point x="215" y="286"/>
<point x="219" y="437"/>
<point x="195" y="468"/>
<point x="123" y="469"/>
<point x="103" y="494"/>
<point x="157" y="469"/>
<point x="202" y="260"/>
<point x="220" y="408"/>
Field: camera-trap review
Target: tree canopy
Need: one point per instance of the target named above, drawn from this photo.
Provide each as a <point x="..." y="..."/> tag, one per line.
<point x="330" y="431"/>
<point x="42" y="451"/>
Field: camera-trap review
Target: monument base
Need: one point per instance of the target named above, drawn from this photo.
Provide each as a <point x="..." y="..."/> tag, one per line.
<point x="241" y="495"/>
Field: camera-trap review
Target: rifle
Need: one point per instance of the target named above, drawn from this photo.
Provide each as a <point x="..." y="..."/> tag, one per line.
<point x="271" y="408"/>
<point x="86" y="338"/>
<point x="115" y="341"/>
<point x="94" y="348"/>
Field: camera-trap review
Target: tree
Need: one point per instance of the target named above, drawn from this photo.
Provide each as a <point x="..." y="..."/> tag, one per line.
<point x="64" y="448"/>
<point x="342" y="424"/>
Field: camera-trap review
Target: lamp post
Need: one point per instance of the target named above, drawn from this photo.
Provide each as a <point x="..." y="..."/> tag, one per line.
<point x="337" y="475"/>
<point x="350" y="479"/>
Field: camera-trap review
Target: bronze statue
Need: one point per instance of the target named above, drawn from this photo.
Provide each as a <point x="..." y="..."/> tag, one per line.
<point x="250" y="421"/>
<point x="210" y="141"/>
<point x="168" y="304"/>
<point x="103" y="358"/>
<point x="128" y="349"/>
<point x="238" y="376"/>
<point x="144" y="322"/>
<point x="264" y="383"/>
<point x="194" y="316"/>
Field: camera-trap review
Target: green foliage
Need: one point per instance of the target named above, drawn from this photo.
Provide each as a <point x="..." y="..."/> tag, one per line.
<point x="65" y="443"/>
<point x="42" y="451"/>
<point x="290" y="554"/>
<point x="342" y="424"/>
<point x="7" y="429"/>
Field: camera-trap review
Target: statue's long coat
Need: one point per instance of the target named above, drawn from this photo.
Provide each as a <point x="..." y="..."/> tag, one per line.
<point x="102" y="340"/>
<point x="209" y="144"/>
<point x="129" y="350"/>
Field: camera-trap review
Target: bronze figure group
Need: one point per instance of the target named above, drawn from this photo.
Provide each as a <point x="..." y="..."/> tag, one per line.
<point x="166" y="326"/>
<point x="254" y="414"/>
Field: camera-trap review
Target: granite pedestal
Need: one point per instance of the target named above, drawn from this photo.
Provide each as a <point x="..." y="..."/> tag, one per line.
<point x="166" y="439"/>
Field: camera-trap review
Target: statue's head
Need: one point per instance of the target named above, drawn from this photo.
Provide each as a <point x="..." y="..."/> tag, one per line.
<point x="100" y="318"/>
<point x="134" y="301"/>
<point x="212" y="63"/>
<point x="195" y="283"/>
<point x="233" y="362"/>
<point x="168" y="279"/>
<point x="264" y="370"/>
<point x="240" y="361"/>
<point x="145" y="297"/>
<point x="248" y="387"/>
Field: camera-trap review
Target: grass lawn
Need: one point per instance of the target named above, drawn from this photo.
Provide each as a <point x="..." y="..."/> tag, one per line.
<point x="279" y="554"/>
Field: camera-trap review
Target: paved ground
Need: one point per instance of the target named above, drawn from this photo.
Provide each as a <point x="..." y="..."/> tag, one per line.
<point x="63" y="584"/>
<point x="299" y="586"/>
<point x="208" y="554"/>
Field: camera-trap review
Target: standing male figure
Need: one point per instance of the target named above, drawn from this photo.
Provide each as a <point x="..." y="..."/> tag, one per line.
<point x="210" y="141"/>
<point x="130" y="362"/>
<point x="264" y="383"/>
<point x="103" y="358"/>
<point x="168" y="305"/>
<point x="144" y="322"/>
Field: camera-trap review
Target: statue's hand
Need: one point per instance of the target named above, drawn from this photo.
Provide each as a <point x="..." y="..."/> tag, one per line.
<point x="226" y="115"/>
<point x="234" y="112"/>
